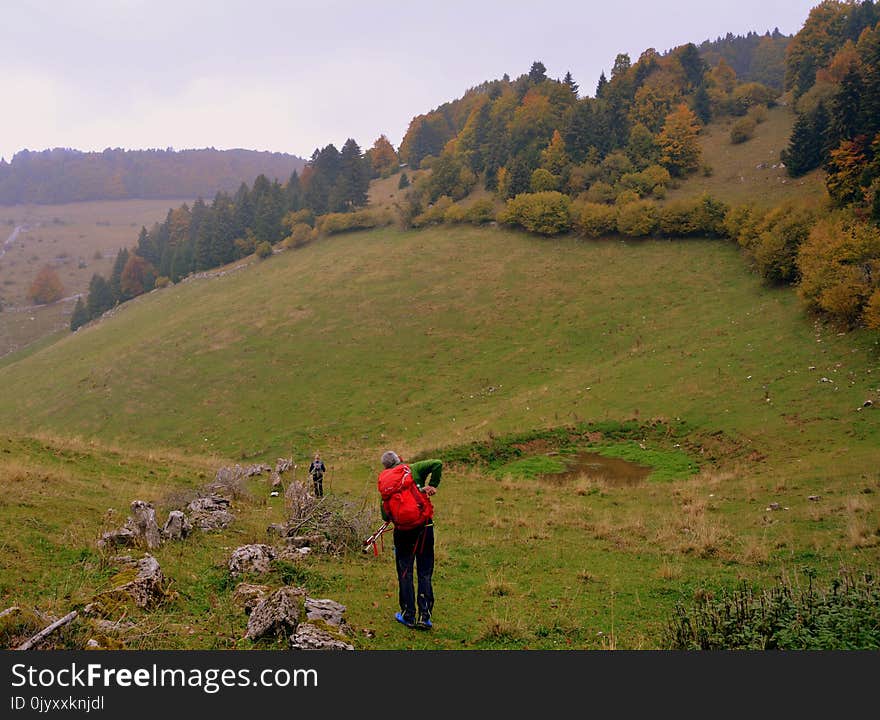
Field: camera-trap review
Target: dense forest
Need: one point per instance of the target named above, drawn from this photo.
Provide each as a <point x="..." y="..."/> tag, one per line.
<point x="62" y="175"/>
<point x="560" y="161"/>
<point x="753" y="57"/>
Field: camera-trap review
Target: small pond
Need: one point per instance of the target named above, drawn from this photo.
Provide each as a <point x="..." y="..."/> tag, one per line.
<point x="613" y="471"/>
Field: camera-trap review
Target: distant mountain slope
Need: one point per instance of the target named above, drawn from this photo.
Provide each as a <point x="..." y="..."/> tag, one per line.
<point x="63" y="175"/>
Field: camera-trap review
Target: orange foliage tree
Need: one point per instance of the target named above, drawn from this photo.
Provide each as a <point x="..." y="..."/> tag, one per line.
<point x="46" y="287"/>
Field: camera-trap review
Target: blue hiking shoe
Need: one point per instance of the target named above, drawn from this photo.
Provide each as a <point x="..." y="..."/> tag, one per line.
<point x="399" y="617"/>
<point x="424" y="624"/>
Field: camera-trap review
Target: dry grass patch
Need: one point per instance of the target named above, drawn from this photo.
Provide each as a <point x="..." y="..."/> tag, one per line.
<point x="755" y="551"/>
<point x="503" y="629"/>
<point x="669" y="570"/>
<point x="497" y="586"/>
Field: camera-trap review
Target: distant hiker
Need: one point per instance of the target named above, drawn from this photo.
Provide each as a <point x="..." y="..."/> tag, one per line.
<point x="406" y="502"/>
<point x="316" y="472"/>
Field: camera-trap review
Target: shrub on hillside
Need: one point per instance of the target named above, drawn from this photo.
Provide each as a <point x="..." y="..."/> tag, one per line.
<point x="749" y="95"/>
<point x="334" y="223"/>
<point x="300" y="234"/>
<point x="637" y="219"/>
<point x="299" y="216"/>
<point x="697" y="216"/>
<point x="546" y="213"/>
<point x="647" y="181"/>
<point x="843" y="616"/>
<point x="435" y="214"/>
<point x="780" y="234"/>
<point x="594" y="219"/>
<point x="478" y="212"/>
<point x="839" y="265"/>
<point x="742" y="130"/>
<point x="263" y="250"/>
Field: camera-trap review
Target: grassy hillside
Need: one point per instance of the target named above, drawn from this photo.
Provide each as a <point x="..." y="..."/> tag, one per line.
<point x="750" y="172"/>
<point x="77" y="240"/>
<point x="422" y="341"/>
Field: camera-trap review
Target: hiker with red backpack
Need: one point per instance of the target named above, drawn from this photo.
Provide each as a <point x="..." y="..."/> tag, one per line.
<point x="406" y="492"/>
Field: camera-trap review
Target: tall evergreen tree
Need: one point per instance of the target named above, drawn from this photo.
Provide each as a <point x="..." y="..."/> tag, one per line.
<point x="846" y="108"/>
<point x="353" y="181"/>
<point x="80" y="315"/>
<point x="116" y="274"/>
<point x="807" y="145"/>
<point x="100" y="298"/>
<point x="569" y="82"/>
<point x="537" y="73"/>
<point x="602" y="85"/>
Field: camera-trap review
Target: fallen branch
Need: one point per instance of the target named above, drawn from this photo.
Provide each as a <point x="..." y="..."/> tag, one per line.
<point x="9" y="611"/>
<point x="46" y="631"/>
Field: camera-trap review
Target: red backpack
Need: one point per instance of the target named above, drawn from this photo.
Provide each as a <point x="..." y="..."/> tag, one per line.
<point x="403" y="502"/>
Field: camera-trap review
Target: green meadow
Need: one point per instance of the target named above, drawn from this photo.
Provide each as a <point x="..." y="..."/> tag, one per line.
<point x="504" y="354"/>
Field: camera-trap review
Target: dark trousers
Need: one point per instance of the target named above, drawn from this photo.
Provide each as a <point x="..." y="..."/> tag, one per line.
<point x="318" y="480"/>
<point x="415" y="547"/>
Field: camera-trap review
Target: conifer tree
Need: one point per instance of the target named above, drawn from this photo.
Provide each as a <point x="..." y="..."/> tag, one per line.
<point x="80" y="315"/>
<point x="116" y="274"/>
<point x="100" y="298"/>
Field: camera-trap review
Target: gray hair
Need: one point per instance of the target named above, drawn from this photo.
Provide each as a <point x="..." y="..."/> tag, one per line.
<point x="390" y="459"/>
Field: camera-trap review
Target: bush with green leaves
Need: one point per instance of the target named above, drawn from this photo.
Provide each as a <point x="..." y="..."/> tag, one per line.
<point x="637" y="219"/>
<point x="789" y="616"/>
<point x="742" y="130"/>
<point x="594" y="219"/>
<point x="334" y="223"/>
<point x="435" y="214"/>
<point x="546" y="213"/>
<point x="478" y="212"/>
<point x="263" y="250"/>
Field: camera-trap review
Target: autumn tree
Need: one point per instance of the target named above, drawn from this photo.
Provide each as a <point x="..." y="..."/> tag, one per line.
<point x="678" y="141"/>
<point x="845" y="166"/>
<point x="46" y="287"/>
<point x="383" y="157"/>
<point x="840" y="269"/>
<point x="138" y="277"/>
<point x="554" y="159"/>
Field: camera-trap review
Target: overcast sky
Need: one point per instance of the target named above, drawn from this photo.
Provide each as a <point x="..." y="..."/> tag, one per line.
<point x="294" y="76"/>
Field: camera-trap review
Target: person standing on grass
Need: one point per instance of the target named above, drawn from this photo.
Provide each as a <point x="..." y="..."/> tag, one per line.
<point x="316" y="472"/>
<point x="406" y="492"/>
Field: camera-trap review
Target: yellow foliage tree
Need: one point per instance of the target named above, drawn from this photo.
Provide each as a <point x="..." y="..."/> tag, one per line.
<point x="554" y="159"/>
<point x="383" y="156"/>
<point x="678" y="141"/>
<point x="840" y="270"/>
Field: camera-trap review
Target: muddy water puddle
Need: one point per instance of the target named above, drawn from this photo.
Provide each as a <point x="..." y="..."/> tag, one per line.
<point x="613" y="471"/>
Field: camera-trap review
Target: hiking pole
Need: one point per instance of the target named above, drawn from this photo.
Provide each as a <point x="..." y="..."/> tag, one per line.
<point x="370" y="542"/>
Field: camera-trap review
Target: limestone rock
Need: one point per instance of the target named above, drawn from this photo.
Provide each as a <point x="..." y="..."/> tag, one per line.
<point x="143" y="523"/>
<point x="177" y="526"/>
<point x="313" y="637"/>
<point x="277" y="615"/>
<point x="210" y="513"/>
<point x="327" y="611"/>
<point x="147" y="588"/>
<point x="251" y="559"/>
